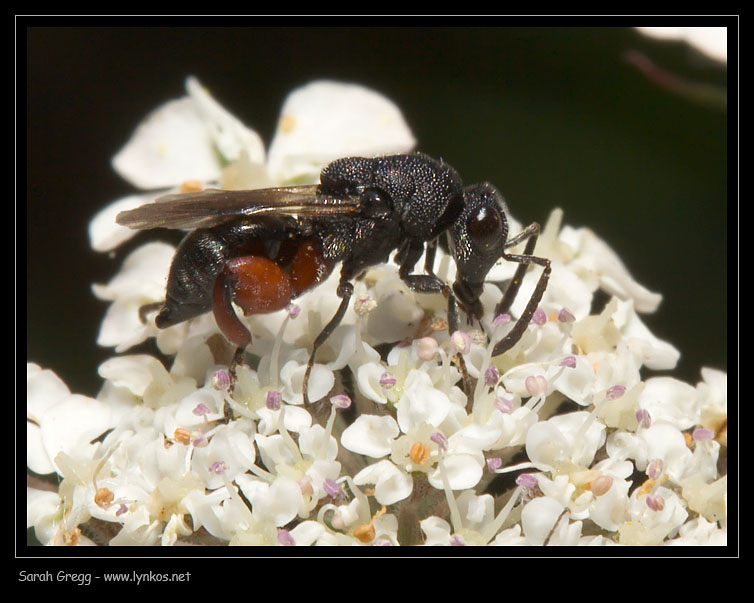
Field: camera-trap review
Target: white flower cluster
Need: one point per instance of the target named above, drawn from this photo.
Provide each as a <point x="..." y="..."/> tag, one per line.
<point x="592" y="453"/>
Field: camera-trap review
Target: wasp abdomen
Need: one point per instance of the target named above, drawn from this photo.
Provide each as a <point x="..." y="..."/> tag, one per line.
<point x="309" y="267"/>
<point x="260" y="284"/>
<point x="198" y="261"/>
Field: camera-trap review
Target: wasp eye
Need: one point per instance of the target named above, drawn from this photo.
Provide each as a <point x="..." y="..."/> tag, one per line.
<point x="484" y="227"/>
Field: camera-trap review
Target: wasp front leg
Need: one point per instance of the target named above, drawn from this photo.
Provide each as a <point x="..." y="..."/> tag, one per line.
<point x="525" y="260"/>
<point x="532" y="234"/>
<point x="429" y="283"/>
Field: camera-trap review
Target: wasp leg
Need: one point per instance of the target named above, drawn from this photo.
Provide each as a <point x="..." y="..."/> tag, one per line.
<point x="429" y="268"/>
<point x="525" y="261"/>
<point x="239" y="358"/>
<point x="429" y="283"/>
<point x="531" y="233"/>
<point x="231" y="326"/>
<point x="429" y="257"/>
<point x="345" y="290"/>
<point x="424" y="283"/>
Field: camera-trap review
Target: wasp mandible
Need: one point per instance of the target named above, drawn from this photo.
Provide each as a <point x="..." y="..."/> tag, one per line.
<point x="262" y="248"/>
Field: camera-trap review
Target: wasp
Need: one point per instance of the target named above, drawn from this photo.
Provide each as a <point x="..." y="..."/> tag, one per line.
<point x="260" y="249"/>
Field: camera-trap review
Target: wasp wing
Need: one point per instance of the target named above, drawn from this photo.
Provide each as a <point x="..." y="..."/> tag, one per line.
<point x="212" y="207"/>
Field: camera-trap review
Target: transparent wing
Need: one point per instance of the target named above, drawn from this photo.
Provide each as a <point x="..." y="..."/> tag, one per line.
<point x="212" y="207"/>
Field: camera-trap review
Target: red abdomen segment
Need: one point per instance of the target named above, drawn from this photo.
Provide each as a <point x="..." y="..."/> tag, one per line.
<point x="259" y="285"/>
<point x="308" y="268"/>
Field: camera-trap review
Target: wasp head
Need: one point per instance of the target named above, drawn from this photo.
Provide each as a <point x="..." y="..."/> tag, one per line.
<point x="477" y="239"/>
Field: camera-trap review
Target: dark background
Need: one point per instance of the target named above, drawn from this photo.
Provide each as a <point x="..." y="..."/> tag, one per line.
<point x="554" y="116"/>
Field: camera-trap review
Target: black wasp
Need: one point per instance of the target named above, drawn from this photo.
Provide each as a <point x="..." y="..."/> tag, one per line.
<point x="262" y="248"/>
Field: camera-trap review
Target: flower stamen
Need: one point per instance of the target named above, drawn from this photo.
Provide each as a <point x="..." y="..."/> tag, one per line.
<point x="419" y="453"/>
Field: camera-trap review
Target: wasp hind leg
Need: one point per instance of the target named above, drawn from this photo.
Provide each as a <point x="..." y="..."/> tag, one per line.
<point x="345" y="291"/>
<point x="232" y="328"/>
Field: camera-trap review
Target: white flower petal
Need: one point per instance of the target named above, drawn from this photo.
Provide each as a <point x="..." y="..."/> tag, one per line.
<point x="663" y="441"/>
<point x="538" y="518"/>
<point x="277" y="503"/>
<point x="577" y="383"/>
<point x="565" y="289"/>
<point x="368" y="378"/>
<point x="566" y="534"/>
<point x="370" y="435"/>
<point x="104" y="233"/>
<point x="713" y="390"/>
<point x="44" y="513"/>
<point x="397" y="314"/>
<point x="609" y="510"/>
<point x="210" y="511"/>
<point x="44" y="389"/>
<point x="656" y="354"/>
<point x="172" y="145"/>
<point x="709" y="500"/>
<point x="297" y="419"/>
<point x="319" y="471"/>
<point x="436" y="531"/>
<point x="72" y="423"/>
<point x="134" y="372"/>
<point x="142" y="276"/>
<point x="391" y="484"/>
<point x="462" y="470"/>
<point x="185" y="416"/>
<point x="228" y="134"/>
<point x="700" y="532"/>
<point x="346" y="350"/>
<point x="648" y="528"/>
<point x="40" y="505"/>
<point x="560" y="488"/>
<point x="194" y="360"/>
<point x="546" y="445"/>
<point x="321" y="381"/>
<point x="583" y="443"/>
<point x="712" y="41"/>
<point x="175" y="527"/>
<point x="514" y="380"/>
<point x="477" y="511"/>
<point x="230" y="444"/>
<point x="613" y="274"/>
<point x="121" y="327"/>
<point x="243" y="174"/>
<point x="325" y="120"/>
<point x="317" y="443"/>
<point x="509" y="537"/>
<point x="274" y="450"/>
<point x="475" y="437"/>
<point x="307" y="532"/>
<point x="36" y="455"/>
<point x="669" y="400"/>
<point x="386" y="528"/>
<point x="421" y="402"/>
